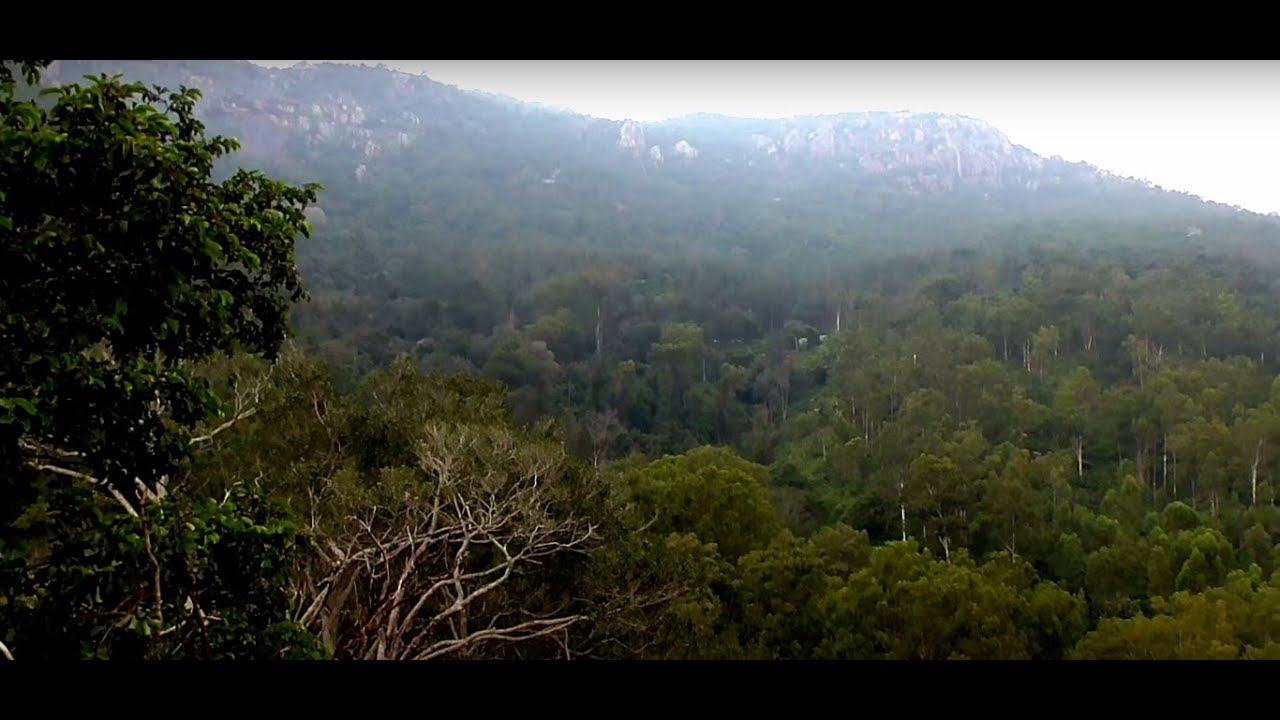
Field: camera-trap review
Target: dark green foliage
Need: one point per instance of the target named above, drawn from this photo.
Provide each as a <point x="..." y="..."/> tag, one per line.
<point x="120" y="263"/>
<point x="81" y="579"/>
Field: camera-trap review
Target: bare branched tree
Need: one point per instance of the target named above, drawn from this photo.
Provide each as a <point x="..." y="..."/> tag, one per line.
<point x="425" y="576"/>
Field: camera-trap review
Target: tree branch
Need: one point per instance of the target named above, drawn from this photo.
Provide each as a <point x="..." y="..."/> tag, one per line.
<point x="527" y="630"/>
<point x="114" y="493"/>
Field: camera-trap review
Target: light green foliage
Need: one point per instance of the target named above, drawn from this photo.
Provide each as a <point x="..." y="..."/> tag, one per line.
<point x="1195" y="628"/>
<point x="712" y="494"/>
<point x="907" y="606"/>
<point x="777" y="592"/>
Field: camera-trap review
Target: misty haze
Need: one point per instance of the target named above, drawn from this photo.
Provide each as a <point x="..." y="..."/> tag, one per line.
<point x="455" y="360"/>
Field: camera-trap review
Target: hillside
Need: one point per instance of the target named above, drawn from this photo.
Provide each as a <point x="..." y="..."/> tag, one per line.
<point x="866" y="386"/>
<point x="438" y="198"/>
<point x="355" y="124"/>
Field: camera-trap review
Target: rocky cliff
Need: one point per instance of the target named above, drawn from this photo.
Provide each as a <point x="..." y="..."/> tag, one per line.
<point x="369" y="112"/>
<point x="353" y="124"/>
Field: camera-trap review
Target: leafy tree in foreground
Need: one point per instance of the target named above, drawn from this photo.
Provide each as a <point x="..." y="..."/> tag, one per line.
<point x="122" y="264"/>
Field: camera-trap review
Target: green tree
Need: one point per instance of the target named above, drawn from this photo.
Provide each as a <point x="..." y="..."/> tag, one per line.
<point x="1076" y="395"/>
<point x="711" y="493"/>
<point x="122" y="266"/>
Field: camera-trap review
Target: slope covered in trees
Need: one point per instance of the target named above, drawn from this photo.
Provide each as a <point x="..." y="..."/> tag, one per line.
<point x="772" y="395"/>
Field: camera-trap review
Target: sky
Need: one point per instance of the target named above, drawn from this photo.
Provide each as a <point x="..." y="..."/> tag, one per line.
<point x="1211" y="128"/>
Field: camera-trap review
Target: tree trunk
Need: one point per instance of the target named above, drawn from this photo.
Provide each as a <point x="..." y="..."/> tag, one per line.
<point x="1080" y="457"/>
<point x="1253" y="473"/>
<point x="902" y="509"/>
<point x="600" y="330"/>
<point x="1164" y="460"/>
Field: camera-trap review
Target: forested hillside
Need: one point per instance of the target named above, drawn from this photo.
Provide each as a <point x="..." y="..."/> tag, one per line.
<point x="864" y="386"/>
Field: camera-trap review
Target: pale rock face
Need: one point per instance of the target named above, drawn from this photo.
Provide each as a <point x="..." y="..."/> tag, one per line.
<point x="765" y="143"/>
<point x="404" y="139"/>
<point x="361" y="172"/>
<point x="684" y="149"/>
<point x="871" y="164"/>
<point x="655" y="154"/>
<point x="372" y="149"/>
<point x="822" y="142"/>
<point x="631" y="137"/>
<point x="793" y="143"/>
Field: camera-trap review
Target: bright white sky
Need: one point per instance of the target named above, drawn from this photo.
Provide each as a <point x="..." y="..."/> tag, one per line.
<point x="1207" y="127"/>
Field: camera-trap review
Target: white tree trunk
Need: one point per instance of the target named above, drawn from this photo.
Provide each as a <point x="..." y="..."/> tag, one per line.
<point x="1164" y="459"/>
<point x="902" y="509"/>
<point x="599" y="329"/>
<point x="1253" y="472"/>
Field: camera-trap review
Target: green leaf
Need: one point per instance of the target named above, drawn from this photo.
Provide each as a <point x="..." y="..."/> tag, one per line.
<point x="214" y="250"/>
<point x="20" y="403"/>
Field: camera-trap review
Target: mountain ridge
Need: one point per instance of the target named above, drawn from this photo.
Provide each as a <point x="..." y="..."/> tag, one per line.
<point x="920" y="152"/>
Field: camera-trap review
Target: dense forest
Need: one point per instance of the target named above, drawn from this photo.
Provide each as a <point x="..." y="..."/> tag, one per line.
<point x="879" y="387"/>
